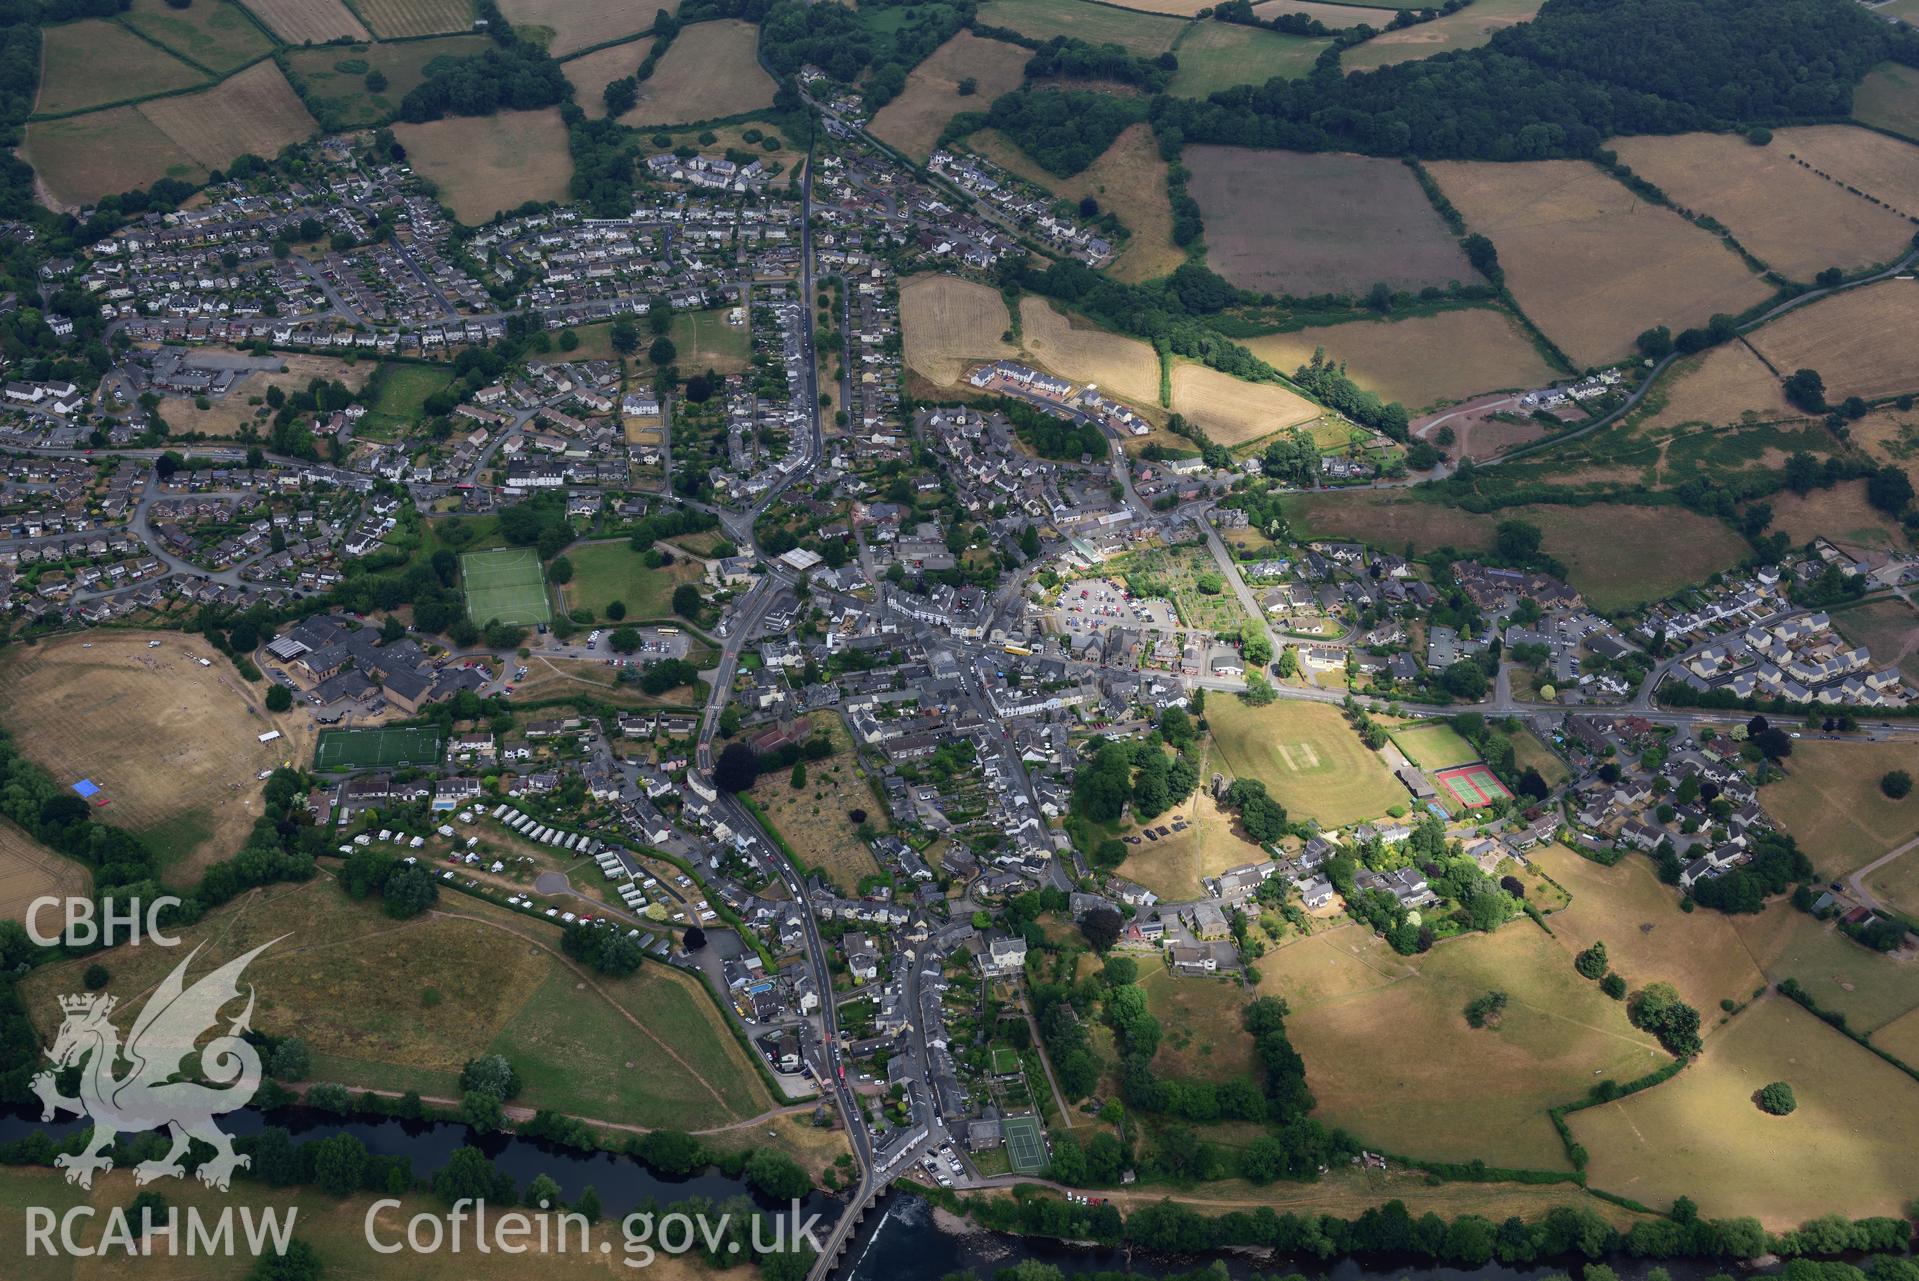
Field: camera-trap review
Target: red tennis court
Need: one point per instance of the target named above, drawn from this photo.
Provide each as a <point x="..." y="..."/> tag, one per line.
<point x="1472" y="785"/>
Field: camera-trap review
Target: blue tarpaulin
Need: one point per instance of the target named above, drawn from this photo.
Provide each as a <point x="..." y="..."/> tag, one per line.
<point x="86" y="787"/>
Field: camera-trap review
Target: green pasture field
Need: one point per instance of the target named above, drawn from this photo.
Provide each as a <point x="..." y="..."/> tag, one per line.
<point x="1889" y="98"/>
<point x="335" y="91"/>
<point x="1434" y="745"/>
<point x="399" y="398"/>
<point x="1309" y="758"/>
<point x="93" y="62"/>
<point x="606" y="572"/>
<point x="1219" y="55"/>
<point x="505" y="586"/>
<point x="217" y="34"/>
<point x="1141" y="33"/>
<point x="384" y="746"/>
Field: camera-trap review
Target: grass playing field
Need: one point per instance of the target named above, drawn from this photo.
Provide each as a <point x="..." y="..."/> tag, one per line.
<point x="705" y="340"/>
<point x="1025" y="1149"/>
<point x="505" y="586"/>
<point x="1434" y="745"/>
<point x="370" y="748"/>
<point x="1308" y="757"/>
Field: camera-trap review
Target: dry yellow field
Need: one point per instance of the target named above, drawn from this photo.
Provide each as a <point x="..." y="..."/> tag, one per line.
<point x="486" y="164"/>
<point x="78" y="159"/>
<point x="173" y="745"/>
<point x="578" y="24"/>
<point x="1840" y="513"/>
<point x="1795" y="221"/>
<point x="817" y="819"/>
<point x="1233" y="411"/>
<point x="1859" y="340"/>
<point x="1423" y="361"/>
<point x="1877" y="165"/>
<point x="1173" y="865"/>
<point x="1719" y="388"/>
<point x="1851" y="1148"/>
<point x="255" y="112"/>
<point x="1890" y="435"/>
<point x="1647" y="937"/>
<point x="1129" y="180"/>
<point x="712" y="70"/>
<point x="29" y="870"/>
<point x="912" y="122"/>
<point x="1591" y="263"/>
<point x="1831" y="803"/>
<point x="1449" y="1091"/>
<point x="591" y="73"/>
<point x="1900" y="1037"/>
<point x="948" y="325"/>
<point x="1466" y="28"/>
<point x="1126" y="367"/>
<point x="309" y="21"/>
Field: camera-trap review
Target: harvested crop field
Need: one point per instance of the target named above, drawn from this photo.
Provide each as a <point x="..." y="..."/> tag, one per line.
<point x="484" y="164"/>
<point x="29" y="870"/>
<point x="79" y="159"/>
<point x="255" y="112"/>
<point x="1308" y="756"/>
<point x="1647" y="937"/>
<point x="1889" y="98"/>
<point x="712" y="70"/>
<point x="1422" y="361"/>
<point x="1129" y="181"/>
<point x="1287" y="222"/>
<point x="1617" y="555"/>
<point x="342" y="95"/>
<point x="309" y="21"/>
<point x="1233" y="411"/>
<point x="948" y="325"/>
<point x="1591" y="263"/>
<point x="1860" y="341"/>
<point x="215" y="34"/>
<point x="1795" y="221"/>
<point x="1851" y="1148"/>
<point x="91" y="63"/>
<point x="1466" y="28"/>
<point x="579" y="24"/>
<point x="1126" y="367"/>
<point x="912" y="122"/>
<point x="1219" y="55"/>
<point x="172" y="745"/>
<point x="391" y="19"/>
<point x="1141" y="33"/>
<point x="591" y="73"/>
<point x="1877" y="165"/>
<point x="1720" y="387"/>
<point x="1449" y="1091"/>
<point x="1335" y="16"/>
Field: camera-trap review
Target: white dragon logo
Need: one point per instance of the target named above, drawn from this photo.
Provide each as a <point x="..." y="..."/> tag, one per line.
<point x="150" y="1094"/>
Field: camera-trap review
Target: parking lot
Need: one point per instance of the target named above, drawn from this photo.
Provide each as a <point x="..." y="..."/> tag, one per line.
<point x="1095" y="604"/>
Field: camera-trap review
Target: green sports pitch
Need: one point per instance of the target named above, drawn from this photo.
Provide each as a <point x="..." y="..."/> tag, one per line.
<point x="1025" y="1149"/>
<point x="371" y="748"/>
<point x="506" y="585"/>
<point x="1005" y="1062"/>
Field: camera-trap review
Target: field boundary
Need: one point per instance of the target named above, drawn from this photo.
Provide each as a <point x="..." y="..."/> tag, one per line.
<point x="209" y="86"/>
